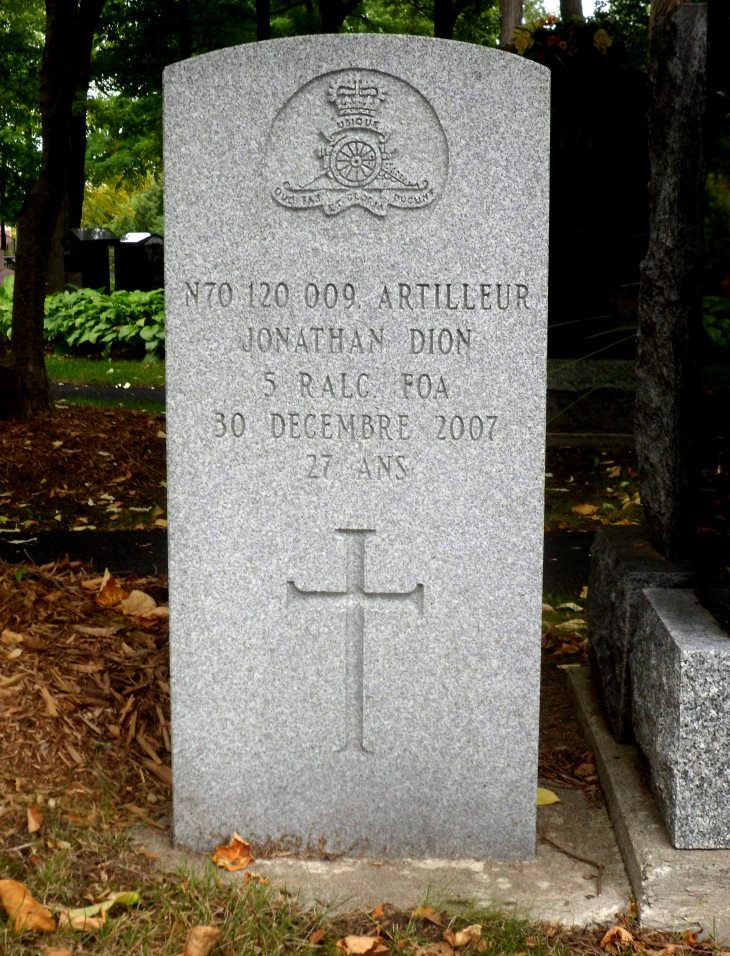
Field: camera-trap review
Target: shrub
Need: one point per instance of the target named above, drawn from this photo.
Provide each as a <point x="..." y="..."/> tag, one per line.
<point x="88" y="322"/>
<point x="6" y="307"/>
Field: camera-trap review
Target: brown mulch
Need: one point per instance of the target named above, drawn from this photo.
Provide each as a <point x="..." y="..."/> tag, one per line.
<point x="84" y="694"/>
<point x="83" y="469"/>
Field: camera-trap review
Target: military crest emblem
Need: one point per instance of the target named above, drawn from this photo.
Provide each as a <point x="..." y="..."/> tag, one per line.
<point x="356" y="162"/>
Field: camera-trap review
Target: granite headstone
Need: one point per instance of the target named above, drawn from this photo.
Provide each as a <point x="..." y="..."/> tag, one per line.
<point x="356" y="354"/>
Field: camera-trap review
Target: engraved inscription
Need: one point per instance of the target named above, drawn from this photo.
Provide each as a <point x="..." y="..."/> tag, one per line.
<point x="362" y="411"/>
<point x="354" y="600"/>
<point x="354" y="162"/>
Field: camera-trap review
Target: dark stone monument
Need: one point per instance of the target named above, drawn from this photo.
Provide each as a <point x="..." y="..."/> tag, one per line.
<point x="139" y="262"/>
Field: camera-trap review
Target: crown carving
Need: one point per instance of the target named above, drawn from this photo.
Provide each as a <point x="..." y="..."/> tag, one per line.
<point x="354" y="96"/>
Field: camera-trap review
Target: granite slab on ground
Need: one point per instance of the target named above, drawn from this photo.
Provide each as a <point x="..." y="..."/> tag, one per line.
<point x="681" y="666"/>
<point x="623" y="563"/>
<point x="674" y="889"/>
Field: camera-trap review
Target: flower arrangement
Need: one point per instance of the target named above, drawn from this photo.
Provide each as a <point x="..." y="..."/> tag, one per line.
<point x="554" y="42"/>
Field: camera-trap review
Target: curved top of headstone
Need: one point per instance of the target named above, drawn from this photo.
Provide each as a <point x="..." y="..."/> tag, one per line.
<point x="365" y="136"/>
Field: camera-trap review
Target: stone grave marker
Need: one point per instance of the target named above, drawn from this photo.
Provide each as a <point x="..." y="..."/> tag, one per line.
<point x="356" y="360"/>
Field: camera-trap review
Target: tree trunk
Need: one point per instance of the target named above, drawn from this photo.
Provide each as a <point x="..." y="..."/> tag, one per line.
<point x="23" y="373"/>
<point x="570" y="9"/>
<point x="510" y="15"/>
<point x="444" y="19"/>
<point x="184" y="45"/>
<point x="667" y="395"/>
<point x="263" y="19"/>
<point x="56" y="277"/>
<point x="333" y="13"/>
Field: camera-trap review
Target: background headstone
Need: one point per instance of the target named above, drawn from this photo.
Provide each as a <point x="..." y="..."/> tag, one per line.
<point x="356" y="361"/>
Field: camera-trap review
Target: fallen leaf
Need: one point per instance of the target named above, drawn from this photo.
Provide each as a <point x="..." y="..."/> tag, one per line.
<point x="110" y="593"/>
<point x="25" y="912"/>
<point x="575" y="624"/>
<point x="56" y="951"/>
<point x="463" y="937"/>
<point x="161" y="613"/>
<point x="435" y="949"/>
<point x="235" y="856"/>
<point x="378" y="912"/>
<point x="546" y="798"/>
<point x="58" y="844"/>
<point x="584" y="509"/>
<point x="87" y="918"/>
<point x="92" y="584"/>
<point x="137" y="604"/>
<point x="362" y="945"/>
<point x="201" y="940"/>
<point x="570" y="606"/>
<point x="616" y="939"/>
<point x="35" y="819"/>
<point x="315" y="937"/>
<point x="255" y="878"/>
<point x="428" y="913"/>
<point x="79" y="921"/>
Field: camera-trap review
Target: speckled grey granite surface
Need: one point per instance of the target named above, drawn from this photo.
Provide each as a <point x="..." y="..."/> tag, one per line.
<point x="680" y="668"/>
<point x="623" y="563"/>
<point x="356" y="295"/>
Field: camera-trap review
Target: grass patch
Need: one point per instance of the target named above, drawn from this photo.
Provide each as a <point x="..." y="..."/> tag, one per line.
<point x="70" y="866"/>
<point x="105" y="373"/>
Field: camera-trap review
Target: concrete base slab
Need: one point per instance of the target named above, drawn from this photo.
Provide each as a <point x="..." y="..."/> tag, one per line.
<point x="554" y="887"/>
<point x="675" y="889"/>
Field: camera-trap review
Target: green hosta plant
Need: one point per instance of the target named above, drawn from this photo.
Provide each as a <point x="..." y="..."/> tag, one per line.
<point x="88" y="321"/>
<point x="6" y="307"/>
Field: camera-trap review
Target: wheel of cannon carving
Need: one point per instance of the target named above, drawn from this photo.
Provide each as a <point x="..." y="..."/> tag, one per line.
<point x="355" y="162"/>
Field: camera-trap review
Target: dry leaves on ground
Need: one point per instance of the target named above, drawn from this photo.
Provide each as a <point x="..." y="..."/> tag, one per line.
<point x="201" y="940"/>
<point x="84" y="469"/>
<point x="235" y="855"/>
<point x="25" y="912"/>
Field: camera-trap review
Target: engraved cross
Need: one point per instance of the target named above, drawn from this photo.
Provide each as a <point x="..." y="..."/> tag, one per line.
<point x="354" y="599"/>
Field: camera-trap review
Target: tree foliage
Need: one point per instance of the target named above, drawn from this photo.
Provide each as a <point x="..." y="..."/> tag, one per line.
<point x="21" y="41"/>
